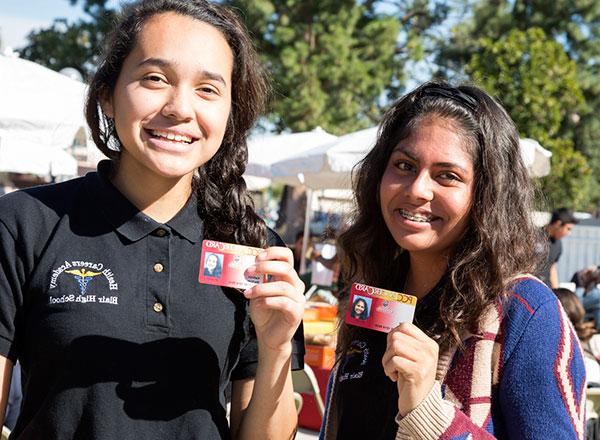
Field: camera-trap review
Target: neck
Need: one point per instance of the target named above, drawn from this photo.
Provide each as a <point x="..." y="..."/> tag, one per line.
<point x="550" y="230"/>
<point x="159" y="198"/>
<point x="424" y="273"/>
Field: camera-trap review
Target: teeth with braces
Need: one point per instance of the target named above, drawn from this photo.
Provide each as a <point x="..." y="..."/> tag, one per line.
<point x="172" y="137"/>
<point x="415" y="217"/>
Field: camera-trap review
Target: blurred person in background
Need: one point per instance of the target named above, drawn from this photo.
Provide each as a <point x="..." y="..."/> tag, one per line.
<point x="585" y="332"/>
<point x="586" y="288"/>
<point x="560" y="226"/>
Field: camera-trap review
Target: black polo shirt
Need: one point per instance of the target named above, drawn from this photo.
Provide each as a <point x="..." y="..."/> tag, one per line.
<point x="554" y="253"/>
<point x="367" y="400"/>
<point x="116" y="336"/>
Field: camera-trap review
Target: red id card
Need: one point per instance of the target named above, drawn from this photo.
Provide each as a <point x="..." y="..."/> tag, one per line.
<point x="379" y="309"/>
<point x="225" y="264"/>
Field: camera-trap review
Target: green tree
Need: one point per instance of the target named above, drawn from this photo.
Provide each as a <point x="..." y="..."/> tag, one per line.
<point x="573" y="23"/>
<point x="76" y="44"/>
<point x="537" y="83"/>
<point x="335" y="64"/>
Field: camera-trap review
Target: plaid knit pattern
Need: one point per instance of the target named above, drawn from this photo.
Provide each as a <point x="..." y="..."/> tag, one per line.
<point x="521" y="376"/>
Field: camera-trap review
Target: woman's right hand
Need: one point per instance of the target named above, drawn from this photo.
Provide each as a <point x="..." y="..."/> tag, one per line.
<point x="410" y="360"/>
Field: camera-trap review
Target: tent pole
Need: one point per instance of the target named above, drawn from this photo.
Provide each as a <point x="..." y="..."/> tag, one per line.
<point x="306" y="236"/>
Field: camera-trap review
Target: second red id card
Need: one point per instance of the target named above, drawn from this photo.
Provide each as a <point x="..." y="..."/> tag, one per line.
<point x="379" y="309"/>
<point x="225" y="264"/>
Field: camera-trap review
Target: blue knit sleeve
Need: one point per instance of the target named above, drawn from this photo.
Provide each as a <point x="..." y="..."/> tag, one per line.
<point x="542" y="385"/>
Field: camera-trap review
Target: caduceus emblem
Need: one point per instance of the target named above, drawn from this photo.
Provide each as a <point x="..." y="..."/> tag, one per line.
<point x="83" y="278"/>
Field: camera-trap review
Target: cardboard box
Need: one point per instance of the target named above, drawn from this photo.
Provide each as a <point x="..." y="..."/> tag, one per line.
<point x="317" y="311"/>
<point x="319" y="327"/>
<point x="320" y="356"/>
<point x="311" y="314"/>
<point x="327" y="312"/>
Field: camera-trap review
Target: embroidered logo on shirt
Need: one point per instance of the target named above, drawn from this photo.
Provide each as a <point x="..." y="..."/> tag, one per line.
<point x="83" y="272"/>
<point x="354" y="362"/>
<point x="83" y="277"/>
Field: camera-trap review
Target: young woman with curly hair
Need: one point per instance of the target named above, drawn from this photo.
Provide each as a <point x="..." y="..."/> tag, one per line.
<point x="443" y="212"/>
<point x="100" y="299"/>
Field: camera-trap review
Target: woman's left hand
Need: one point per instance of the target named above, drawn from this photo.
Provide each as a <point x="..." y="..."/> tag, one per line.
<point x="277" y="306"/>
<point x="410" y="360"/>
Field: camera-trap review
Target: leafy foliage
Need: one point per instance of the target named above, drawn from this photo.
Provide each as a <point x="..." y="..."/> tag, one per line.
<point x="76" y="44"/>
<point x="570" y="182"/>
<point x="537" y="83"/>
<point x="575" y="24"/>
<point x="336" y="64"/>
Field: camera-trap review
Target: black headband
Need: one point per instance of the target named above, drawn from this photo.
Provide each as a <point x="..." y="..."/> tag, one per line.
<point x="454" y="94"/>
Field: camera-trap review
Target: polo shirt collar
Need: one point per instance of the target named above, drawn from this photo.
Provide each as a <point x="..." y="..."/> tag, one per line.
<point x="187" y="222"/>
<point x="128" y="220"/>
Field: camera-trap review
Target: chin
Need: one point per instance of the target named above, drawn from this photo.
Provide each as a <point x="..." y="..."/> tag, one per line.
<point x="412" y="245"/>
<point x="172" y="169"/>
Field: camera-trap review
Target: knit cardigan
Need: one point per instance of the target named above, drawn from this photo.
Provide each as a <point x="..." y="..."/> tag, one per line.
<point x="521" y="376"/>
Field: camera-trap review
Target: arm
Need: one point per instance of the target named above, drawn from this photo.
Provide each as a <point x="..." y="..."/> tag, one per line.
<point x="264" y="407"/>
<point x="411" y="360"/>
<point x="11" y="281"/>
<point x="553" y="276"/>
<point x="253" y="408"/>
<point x="5" y="375"/>
<point x="435" y="418"/>
<point x="241" y="393"/>
<point x="541" y="391"/>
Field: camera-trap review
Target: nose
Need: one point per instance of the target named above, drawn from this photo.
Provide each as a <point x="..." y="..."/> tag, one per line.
<point x="421" y="187"/>
<point x="179" y="105"/>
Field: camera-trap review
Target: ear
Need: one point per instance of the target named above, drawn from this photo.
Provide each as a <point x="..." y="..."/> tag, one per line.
<point x="106" y="105"/>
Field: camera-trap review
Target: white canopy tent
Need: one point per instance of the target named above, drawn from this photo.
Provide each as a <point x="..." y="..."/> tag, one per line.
<point x="23" y="156"/>
<point x="265" y="150"/>
<point x="40" y="114"/>
<point x="327" y="166"/>
<point x="536" y="157"/>
<point x="330" y="165"/>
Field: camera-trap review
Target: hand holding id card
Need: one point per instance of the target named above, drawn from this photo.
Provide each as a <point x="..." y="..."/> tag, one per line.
<point x="225" y="264"/>
<point x="379" y="309"/>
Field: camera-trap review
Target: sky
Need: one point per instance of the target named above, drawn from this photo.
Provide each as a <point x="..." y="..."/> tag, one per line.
<point x="19" y="17"/>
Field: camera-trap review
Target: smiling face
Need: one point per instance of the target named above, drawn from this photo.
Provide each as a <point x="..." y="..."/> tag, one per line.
<point x="172" y="98"/>
<point x="426" y="190"/>
<point x="211" y="263"/>
<point x="359" y="307"/>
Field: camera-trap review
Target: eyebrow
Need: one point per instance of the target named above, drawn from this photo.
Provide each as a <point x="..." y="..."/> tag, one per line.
<point x="439" y="164"/>
<point x="160" y="62"/>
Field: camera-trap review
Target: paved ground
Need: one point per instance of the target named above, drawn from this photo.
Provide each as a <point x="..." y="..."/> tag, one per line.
<point x="305" y="434"/>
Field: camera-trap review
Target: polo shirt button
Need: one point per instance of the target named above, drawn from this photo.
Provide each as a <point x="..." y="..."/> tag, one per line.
<point x="160" y="232"/>
<point x="158" y="267"/>
<point x="158" y="307"/>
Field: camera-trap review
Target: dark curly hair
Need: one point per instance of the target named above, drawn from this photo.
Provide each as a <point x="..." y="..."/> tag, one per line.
<point x="576" y="313"/>
<point x="223" y="201"/>
<point x="499" y="241"/>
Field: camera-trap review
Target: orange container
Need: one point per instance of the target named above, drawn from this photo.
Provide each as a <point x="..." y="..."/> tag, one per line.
<point x="319" y="356"/>
<point x="315" y="311"/>
<point x="328" y="312"/>
<point x="311" y="314"/>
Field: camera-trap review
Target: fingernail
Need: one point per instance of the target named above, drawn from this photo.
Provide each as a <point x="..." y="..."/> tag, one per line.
<point x="248" y="292"/>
